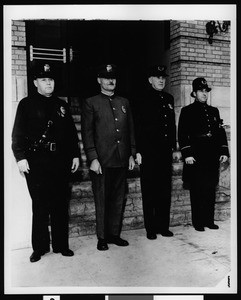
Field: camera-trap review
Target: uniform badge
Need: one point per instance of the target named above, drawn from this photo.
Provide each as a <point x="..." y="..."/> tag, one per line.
<point x="170" y="106"/>
<point x="123" y="109"/>
<point x="62" y="111"/>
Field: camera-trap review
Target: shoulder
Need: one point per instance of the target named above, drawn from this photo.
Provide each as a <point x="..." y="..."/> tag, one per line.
<point x="93" y="98"/>
<point x="169" y="97"/>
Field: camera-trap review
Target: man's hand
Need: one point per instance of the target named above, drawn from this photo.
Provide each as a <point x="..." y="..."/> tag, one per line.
<point x="223" y="158"/>
<point x="95" y="166"/>
<point x="138" y="159"/>
<point x="131" y="163"/>
<point x="75" y="164"/>
<point x="190" y="160"/>
<point x="23" y="166"/>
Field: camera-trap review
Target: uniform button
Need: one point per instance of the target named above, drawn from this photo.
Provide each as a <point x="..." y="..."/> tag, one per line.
<point x="118" y="142"/>
<point x="113" y="108"/>
<point x="117" y="130"/>
<point x="116" y="119"/>
<point x="166" y="135"/>
<point x="165" y="116"/>
<point x="165" y="124"/>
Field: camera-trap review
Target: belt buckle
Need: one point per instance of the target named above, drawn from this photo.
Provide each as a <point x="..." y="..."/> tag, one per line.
<point x="52" y="147"/>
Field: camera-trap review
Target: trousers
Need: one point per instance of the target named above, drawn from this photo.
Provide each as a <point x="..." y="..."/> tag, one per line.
<point x="47" y="183"/>
<point x="156" y="180"/>
<point x="109" y="189"/>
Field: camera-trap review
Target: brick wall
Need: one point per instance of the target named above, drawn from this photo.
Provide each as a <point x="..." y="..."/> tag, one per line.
<point x="192" y="56"/>
<point x="19" y="63"/>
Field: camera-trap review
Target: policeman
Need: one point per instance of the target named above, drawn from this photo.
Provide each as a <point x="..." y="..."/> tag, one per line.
<point x="156" y="139"/>
<point x="45" y="145"/>
<point x="108" y="137"/>
<point x="203" y="144"/>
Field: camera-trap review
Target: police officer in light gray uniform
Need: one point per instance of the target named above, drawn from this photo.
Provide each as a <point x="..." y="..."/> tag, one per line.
<point x="203" y="143"/>
<point x="109" y="143"/>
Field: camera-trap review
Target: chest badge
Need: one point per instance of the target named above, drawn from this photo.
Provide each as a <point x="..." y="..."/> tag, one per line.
<point x="62" y="111"/>
<point x="123" y="109"/>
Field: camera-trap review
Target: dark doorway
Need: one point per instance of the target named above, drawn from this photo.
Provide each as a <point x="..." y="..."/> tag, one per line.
<point x="131" y="45"/>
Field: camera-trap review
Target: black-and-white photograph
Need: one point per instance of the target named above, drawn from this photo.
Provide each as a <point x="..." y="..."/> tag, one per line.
<point x="120" y="149"/>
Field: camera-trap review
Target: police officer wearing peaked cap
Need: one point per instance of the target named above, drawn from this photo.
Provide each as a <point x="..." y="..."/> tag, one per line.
<point x="156" y="139"/>
<point x="109" y="144"/>
<point x="203" y="144"/>
<point x="45" y="145"/>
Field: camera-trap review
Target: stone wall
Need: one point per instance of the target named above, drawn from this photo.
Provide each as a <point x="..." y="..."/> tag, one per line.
<point x="82" y="209"/>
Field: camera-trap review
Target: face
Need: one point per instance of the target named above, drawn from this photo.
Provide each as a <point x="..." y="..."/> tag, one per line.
<point x="107" y="84"/>
<point x="201" y="95"/>
<point x="45" y="86"/>
<point x="158" y="83"/>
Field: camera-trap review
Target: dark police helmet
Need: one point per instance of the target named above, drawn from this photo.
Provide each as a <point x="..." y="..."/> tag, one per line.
<point x="199" y="83"/>
<point x="107" y="71"/>
<point x="43" y="70"/>
<point x="157" y="71"/>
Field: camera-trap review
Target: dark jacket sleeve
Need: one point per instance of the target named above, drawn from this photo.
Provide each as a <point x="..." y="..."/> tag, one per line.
<point x="222" y="137"/>
<point x="87" y="126"/>
<point x="184" y="134"/>
<point x="19" y="133"/>
<point x="131" y="131"/>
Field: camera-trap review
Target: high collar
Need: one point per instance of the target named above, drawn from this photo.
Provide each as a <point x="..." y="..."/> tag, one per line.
<point x="200" y="104"/>
<point x="108" y="96"/>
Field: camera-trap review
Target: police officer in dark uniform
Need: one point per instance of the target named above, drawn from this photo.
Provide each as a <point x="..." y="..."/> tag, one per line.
<point x="156" y="140"/>
<point x="45" y="145"/>
<point x="203" y="144"/>
<point x="109" y="143"/>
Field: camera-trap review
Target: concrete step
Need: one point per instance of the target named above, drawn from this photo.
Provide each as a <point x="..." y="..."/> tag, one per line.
<point x="82" y="208"/>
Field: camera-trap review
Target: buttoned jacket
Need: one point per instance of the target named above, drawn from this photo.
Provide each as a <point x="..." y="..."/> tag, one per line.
<point x="201" y="134"/>
<point x="32" y="116"/>
<point x="155" y="123"/>
<point x="108" y="130"/>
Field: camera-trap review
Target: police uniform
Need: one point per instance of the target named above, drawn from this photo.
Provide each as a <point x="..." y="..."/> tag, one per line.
<point x="156" y="139"/>
<point x="45" y="135"/>
<point x="201" y="136"/>
<point x="108" y="135"/>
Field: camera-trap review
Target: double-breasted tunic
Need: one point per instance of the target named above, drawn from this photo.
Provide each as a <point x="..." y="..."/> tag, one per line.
<point x="50" y="164"/>
<point x="201" y="135"/>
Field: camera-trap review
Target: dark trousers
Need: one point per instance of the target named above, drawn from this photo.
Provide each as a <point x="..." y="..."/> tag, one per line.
<point x="202" y="196"/>
<point x="48" y="187"/>
<point x="156" y="179"/>
<point x="109" y="190"/>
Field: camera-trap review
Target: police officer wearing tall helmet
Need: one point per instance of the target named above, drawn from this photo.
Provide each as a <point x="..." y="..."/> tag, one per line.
<point x="156" y="140"/>
<point x="45" y="145"/>
<point x="203" y="144"/>
<point x="109" y="143"/>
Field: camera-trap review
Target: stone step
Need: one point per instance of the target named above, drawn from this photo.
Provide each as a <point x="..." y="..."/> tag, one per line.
<point x="82" y="208"/>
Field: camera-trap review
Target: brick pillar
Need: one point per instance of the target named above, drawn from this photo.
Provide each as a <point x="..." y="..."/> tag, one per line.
<point x="19" y="63"/>
<point x="192" y="56"/>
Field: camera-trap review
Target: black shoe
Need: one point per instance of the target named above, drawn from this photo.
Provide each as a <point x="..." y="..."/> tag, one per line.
<point x="212" y="226"/>
<point x="117" y="241"/>
<point x="102" y="245"/>
<point x="36" y="256"/>
<point x="165" y="232"/>
<point x="66" y="252"/>
<point x="151" y="235"/>
<point x="199" y="228"/>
